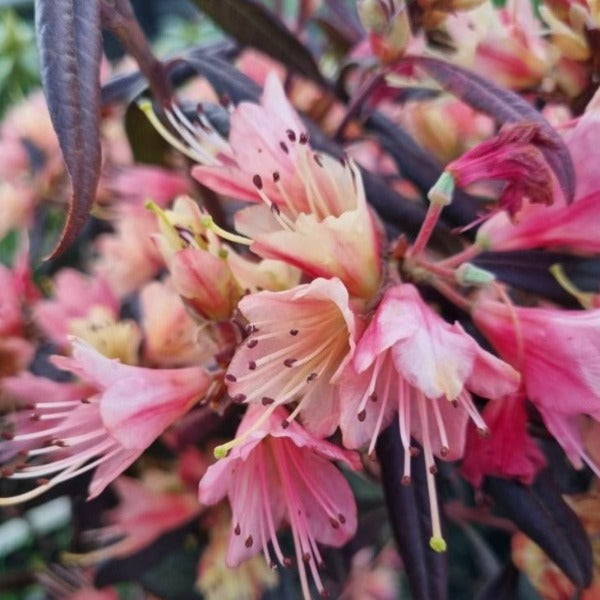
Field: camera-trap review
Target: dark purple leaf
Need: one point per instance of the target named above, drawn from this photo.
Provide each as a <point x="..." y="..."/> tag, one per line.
<point x="70" y="47"/>
<point x="251" y="24"/>
<point x="418" y="166"/>
<point x="408" y="509"/>
<point x="529" y="270"/>
<point x="542" y="514"/>
<point x="503" y="105"/>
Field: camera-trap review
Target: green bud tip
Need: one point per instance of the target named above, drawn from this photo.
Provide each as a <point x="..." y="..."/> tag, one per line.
<point x="437" y="543"/>
<point x="220" y="451"/>
<point x="469" y="274"/>
<point x="441" y="192"/>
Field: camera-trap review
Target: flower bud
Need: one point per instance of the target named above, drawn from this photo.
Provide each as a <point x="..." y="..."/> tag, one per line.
<point x="388" y="27"/>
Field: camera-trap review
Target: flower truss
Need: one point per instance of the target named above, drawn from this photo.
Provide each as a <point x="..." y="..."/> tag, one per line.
<point x="301" y="302"/>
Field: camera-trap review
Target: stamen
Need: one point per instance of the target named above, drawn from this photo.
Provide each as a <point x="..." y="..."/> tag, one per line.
<point x="208" y="223"/>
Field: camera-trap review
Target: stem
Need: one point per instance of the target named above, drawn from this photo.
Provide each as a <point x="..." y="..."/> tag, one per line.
<point x="357" y="102"/>
<point x="465" y="255"/>
<point x="436" y="269"/>
<point x="118" y="17"/>
<point x="431" y="218"/>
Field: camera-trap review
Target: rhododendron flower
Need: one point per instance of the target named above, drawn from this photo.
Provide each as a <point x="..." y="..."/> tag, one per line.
<point x="412" y="363"/>
<point x="314" y="213"/>
<point x="128" y="409"/>
<point x="514" y="157"/>
<point x="278" y="474"/>
<point x="561" y="225"/>
<point x="145" y="512"/>
<point x="171" y="337"/>
<point x="139" y="183"/>
<point x="299" y="342"/>
<point x="558" y="354"/>
<point x="75" y="296"/>
<point x="128" y="258"/>
<point x="508" y="451"/>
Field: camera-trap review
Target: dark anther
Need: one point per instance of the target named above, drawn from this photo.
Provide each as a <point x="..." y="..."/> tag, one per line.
<point x="289" y="362"/>
<point x="252" y="365"/>
<point x="231" y="377"/>
<point x="405" y="480"/>
<point x="303" y="138"/>
<point x="293" y="332"/>
<point x="276" y="176"/>
<point x="311" y="377"/>
<point x="249" y="541"/>
<point x="237" y="529"/>
<point x="284" y="147"/>
<point x="291" y="135"/>
<point x="239" y="398"/>
<point x="257" y="181"/>
<point x="362" y="415"/>
<point x="318" y="159"/>
<point x="266" y="400"/>
<point x="251" y="343"/>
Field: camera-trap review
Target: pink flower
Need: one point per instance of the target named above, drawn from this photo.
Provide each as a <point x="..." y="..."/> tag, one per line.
<point x="128" y="409"/>
<point x="128" y="258"/>
<point x="139" y="183"/>
<point x="558" y="354"/>
<point x="277" y="474"/>
<point x="572" y="226"/>
<point x="410" y="362"/>
<point x="508" y="451"/>
<point x="299" y="342"/>
<point x="144" y="513"/>
<point x="171" y="337"/>
<point x="314" y="214"/>
<point x="513" y="156"/>
<point x="75" y="295"/>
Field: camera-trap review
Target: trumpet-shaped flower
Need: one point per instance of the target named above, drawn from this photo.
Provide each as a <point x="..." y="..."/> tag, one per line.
<point x="299" y="342"/>
<point x="508" y="451"/>
<point x="514" y="157"/>
<point x="127" y="409"/>
<point x="314" y="213"/>
<point x="412" y="363"/>
<point x="278" y="475"/>
<point x="558" y="354"/>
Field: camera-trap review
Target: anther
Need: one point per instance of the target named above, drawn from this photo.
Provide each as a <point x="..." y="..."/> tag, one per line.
<point x="433" y="470"/>
<point x="306" y="557"/>
<point x="6" y="435"/>
<point x="237" y="529"/>
<point x="284" y="147"/>
<point x="257" y="181"/>
<point x="405" y="480"/>
<point x="484" y="433"/>
<point x="444" y="450"/>
<point x="289" y="362"/>
<point x="239" y="398"/>
<point x="334" y="523"/>
<point x="414" y="451"/>
<point x="373" y="397"/>
<point x="311" y="377"/>
<point x="287" y="562"/>
<point x="303" y="138"/>
<point x="251" y="343"/>
<point x="318" y="160"/>
<point x="42" y="481"/>
<point x="275" y="209"/>
<point x="285" y="423"/>
<point x="249" y="541"/>
<point x="252" y="365"/>
<point x="324" y="593"/>
<point x="291" y="135"/>
<point x="276" y="176"/>
<point x="341" y="518"/>
<point x="293" y="332"/>
<point x="266" y="401"/>
<point x="230" y="377"/>
<point x="362" y="415"/>
<point x="7" y="472"/>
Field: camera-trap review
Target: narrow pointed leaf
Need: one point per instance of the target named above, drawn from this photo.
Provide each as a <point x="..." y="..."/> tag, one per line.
<point x="251" y="24"/>
<point x="70" y="47"/>
<point x="408" y="510"/>
<point x="503" y="105"/>
<point x="538" y="511"/>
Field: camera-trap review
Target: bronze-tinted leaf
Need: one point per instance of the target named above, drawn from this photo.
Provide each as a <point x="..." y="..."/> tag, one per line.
<point x="251" y="24"/>
<point x="70" y="47"/>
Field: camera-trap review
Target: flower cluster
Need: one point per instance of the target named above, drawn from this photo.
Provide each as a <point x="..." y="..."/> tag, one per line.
<point x="256" y="316"/>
